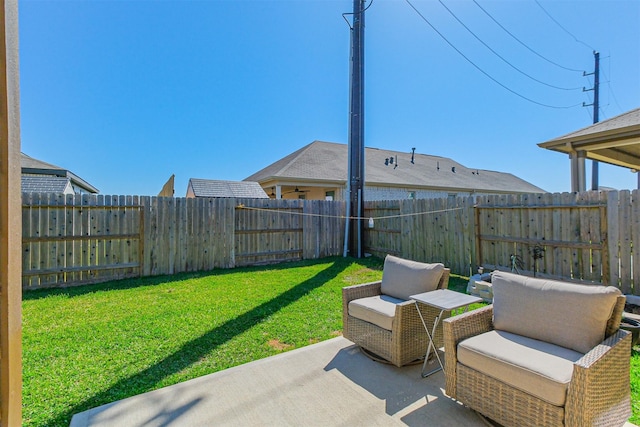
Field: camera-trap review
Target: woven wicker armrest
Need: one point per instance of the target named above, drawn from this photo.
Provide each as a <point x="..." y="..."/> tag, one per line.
<point x="599" y="392"/>
<point x="457" y="329"/>
<point x="444" y="280"/>
<point x="362" y="290"/>
<point x="407" y="315"/>
<point x="350" y="293"/>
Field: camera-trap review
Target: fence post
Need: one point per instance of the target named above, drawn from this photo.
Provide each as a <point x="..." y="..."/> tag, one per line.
<point x="613" y="231"/>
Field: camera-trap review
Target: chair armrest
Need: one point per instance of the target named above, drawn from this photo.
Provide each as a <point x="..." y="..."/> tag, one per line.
<point x="362" y="290"/>
<point x="459" y="328"/>
<point x="444" y="280"/>
<point x="350" y="293"/>
<point x="600" y="389"/>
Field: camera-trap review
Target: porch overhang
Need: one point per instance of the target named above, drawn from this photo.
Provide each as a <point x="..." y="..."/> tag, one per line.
<point x="615" y="141"/>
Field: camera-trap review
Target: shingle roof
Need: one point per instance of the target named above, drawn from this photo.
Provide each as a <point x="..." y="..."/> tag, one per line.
<point x="326" y="161"/>
<point x="33" y="166"/>
<point x="217" y="188"/>
<point x="615" y="141"/>
<point x="45" y="184"/>
<point x="620" y="122"/>
<point x="31" y="163"/>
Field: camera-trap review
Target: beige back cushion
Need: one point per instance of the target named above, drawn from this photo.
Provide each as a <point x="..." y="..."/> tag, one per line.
<point x="402" y="278"/>
<point x="566" y="314"/>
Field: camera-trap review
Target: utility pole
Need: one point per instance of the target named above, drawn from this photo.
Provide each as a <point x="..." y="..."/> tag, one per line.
<point x="596" y="117"/>
<point x="355" y="178"/>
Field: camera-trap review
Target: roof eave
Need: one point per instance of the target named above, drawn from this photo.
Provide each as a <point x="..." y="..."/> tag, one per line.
<point x="607" y="139"/>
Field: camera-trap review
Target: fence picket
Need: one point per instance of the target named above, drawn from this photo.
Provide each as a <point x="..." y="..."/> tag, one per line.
<point x="81" y="239"/>
<point x="635" y="237"/>
<point x="624" y="239"/>
<point x="613" y="231"/>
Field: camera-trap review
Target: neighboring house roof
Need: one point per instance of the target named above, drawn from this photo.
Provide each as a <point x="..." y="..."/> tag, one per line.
<point x="615" y="140"/>
<point x="217" y="188"/>
<point x="31" y="166"/>
<point x="46" y="184"/>
<point x="327" y="162"/>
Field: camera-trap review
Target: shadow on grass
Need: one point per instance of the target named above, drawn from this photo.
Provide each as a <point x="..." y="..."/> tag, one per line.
<point x="132" y="283"/>
<point x="192" y="351"/>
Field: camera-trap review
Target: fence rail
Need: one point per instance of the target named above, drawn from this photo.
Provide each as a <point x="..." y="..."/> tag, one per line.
<point x="70" y="240"/>
<point x="79" y="239"/>
<point x="585" y="237"/>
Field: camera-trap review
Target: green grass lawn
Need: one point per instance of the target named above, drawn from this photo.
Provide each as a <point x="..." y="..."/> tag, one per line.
<point x="91" y="345"/>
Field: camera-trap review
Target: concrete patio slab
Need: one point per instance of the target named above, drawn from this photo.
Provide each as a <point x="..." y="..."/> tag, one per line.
<point x="330" y="383"/>
<point x="326" y="384"/>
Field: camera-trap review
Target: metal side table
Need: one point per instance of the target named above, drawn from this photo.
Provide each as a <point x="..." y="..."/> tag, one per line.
<point x="444" y="300"/>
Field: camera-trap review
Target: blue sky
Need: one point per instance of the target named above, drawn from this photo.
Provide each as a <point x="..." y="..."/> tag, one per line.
<point x="126" y="93"/>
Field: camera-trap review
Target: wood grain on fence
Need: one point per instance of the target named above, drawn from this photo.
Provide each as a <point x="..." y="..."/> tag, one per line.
<point x="70" y="240"/>
<point x="558" y="236"/>
<point x="77" y="239"/>
<point x="385" y="235"/>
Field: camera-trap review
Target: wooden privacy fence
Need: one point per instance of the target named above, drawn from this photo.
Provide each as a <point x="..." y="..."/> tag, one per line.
<point x="80" y="239"/>
<point x="430" y="230"/>
<point x="579" y="236"/>
<point x="585" y="237"/>
<point x="547" y="235"/>
<point x="75" y="239"/>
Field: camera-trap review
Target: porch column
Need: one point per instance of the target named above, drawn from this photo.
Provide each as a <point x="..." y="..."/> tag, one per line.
<point x="278" y="192"/>
<point x="578" y="173"/>
<point x="10" y="221"/>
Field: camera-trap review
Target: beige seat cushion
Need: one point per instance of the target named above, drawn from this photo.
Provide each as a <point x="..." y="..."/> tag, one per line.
<point x="566" y="314"/>
<point x="402" y="278"/>
<point x="379" y="310"/>
<point x="541" y="369"/>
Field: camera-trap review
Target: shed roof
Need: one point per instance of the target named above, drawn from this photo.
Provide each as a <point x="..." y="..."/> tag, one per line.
<point x="327" y="161"/>
<point x="218" y="188"/>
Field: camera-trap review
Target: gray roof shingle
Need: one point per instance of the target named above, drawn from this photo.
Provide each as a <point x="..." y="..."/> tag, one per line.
<point x="217" y="188"/>
<point x="45" y="184"/>
<point x="31" y="166"/>
<point x="327" y="161"/>
<point x="622" y="121"/>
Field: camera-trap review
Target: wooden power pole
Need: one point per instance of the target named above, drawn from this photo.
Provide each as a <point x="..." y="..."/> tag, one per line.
<point x="596" y="116"/>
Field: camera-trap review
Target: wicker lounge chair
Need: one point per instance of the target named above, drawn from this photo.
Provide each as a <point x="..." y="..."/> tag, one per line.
<point x="380" y="317"/>
<point x="512" y="373"/>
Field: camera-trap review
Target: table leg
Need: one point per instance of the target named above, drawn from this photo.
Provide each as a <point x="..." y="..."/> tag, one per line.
<point x="431" y="343"/>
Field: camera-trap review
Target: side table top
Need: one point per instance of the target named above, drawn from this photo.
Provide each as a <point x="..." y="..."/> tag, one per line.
<point x="445" y="299"/>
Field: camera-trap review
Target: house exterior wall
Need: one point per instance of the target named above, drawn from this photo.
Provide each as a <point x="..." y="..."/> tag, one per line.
<point x="315" y="193"/>
<point x="372" y="193"/>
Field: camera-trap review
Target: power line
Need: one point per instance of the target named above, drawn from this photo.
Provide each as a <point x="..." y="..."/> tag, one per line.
<point x="353" y="13"/>
<point x="563" y="28"/>
<point x="481" y="70"/>
<point x="523" y="43"/>
<point x="611" y="92"/>
<point x="500" y="56"/>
